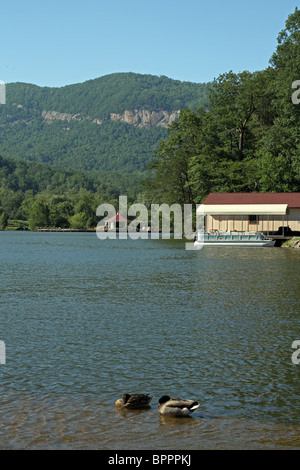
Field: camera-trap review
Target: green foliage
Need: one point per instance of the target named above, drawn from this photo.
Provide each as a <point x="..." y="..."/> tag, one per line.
<point x="118" y="149"/>
<point x="214" y="150"/>
<point x="3" y="221"/>
<point x="47" y="197"/>
<point x="109" y="158"/>
<point x="113" y="146"/>
<point x="282" y="141"/>
<point x="112" y="93"/>
<point x="247" y="141"/>
<point x="38" y="215"/>
<point x="171" y="183"/>
<point x="24" y="176"/>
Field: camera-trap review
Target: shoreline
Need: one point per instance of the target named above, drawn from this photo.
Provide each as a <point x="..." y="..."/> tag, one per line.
<point x="292" y="243"/>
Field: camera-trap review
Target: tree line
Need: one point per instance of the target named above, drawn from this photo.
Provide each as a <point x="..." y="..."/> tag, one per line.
<point x="247" y="140"/>
<point x="34" y="195"/>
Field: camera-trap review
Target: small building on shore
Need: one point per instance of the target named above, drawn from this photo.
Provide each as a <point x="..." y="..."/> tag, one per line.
<point x="117" y="221"/>
<point x="270" y="213"/>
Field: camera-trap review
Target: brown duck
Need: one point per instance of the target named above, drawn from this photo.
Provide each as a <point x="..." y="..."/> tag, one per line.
<point x="134" y="401"/>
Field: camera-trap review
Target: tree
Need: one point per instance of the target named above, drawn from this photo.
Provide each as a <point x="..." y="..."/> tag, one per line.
<point x="171" y="167"/>
<point x="38" y="214"/>
<point x="3" y="221"/>
<point x="60" y="209"/>
<point x="282" y="142"/>
<point x="234" y="102"/>
<point x="78" y="220"/>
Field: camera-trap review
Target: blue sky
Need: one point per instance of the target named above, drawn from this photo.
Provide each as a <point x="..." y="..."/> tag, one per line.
<point x="62" y="42"/>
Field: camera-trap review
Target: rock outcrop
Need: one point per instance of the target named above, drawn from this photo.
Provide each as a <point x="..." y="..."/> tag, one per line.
<point x="139" y="118"/>
<point x="51" y="116"/>
<point x="146" y="118"/>
<point x="293" y="243"/>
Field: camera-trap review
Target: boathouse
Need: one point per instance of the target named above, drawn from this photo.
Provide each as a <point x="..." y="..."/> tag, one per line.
<point x="270" y="213"/>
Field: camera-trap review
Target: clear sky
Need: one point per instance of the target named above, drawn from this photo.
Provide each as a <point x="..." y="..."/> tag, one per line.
<point x="60" y="42"/>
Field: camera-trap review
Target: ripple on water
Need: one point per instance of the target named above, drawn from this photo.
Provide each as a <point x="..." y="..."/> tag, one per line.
<point x="58" y="422"/>
<point x="85" y="321"/>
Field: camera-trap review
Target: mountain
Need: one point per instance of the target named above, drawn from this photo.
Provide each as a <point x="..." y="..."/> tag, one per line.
<point x="111" y="125"/>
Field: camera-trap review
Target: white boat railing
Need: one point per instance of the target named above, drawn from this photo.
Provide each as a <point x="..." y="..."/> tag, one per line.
<point x="229" y="235"/>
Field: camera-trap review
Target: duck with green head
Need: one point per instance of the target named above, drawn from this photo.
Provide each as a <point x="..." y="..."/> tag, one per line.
<point x="176" y="406"/>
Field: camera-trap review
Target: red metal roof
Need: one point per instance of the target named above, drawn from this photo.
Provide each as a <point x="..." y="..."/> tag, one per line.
<point x="117" y="218"/>
<point x="292" y="199"/>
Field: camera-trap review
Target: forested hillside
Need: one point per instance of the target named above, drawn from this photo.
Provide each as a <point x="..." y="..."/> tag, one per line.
<point x="248" y="141"/>
<point x="109" y="124"/>
<point x="113" y="93"/>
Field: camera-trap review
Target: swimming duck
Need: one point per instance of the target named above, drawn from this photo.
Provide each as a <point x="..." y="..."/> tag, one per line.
<point x="176" y="406"/>
<point x="134" y="401"/>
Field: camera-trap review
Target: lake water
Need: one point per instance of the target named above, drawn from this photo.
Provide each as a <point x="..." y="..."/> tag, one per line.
<point x="85" y="320"/>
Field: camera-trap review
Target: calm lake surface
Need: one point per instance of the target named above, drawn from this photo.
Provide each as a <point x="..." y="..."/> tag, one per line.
<point x="85" y="320"/>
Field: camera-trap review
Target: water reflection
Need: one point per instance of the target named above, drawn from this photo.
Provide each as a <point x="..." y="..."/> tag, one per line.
<point x="127" y="412"/>
<point x="176" y="420"/>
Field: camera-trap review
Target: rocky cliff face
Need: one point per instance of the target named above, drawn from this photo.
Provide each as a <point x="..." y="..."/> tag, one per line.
<point x="139" y="118"/>
<point x="145" y="118"/>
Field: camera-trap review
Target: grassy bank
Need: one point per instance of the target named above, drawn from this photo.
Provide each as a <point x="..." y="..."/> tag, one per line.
<point x="293" y="243"/>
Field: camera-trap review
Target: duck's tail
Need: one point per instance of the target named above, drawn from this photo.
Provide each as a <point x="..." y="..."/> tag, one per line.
<point x="193" y="406"/>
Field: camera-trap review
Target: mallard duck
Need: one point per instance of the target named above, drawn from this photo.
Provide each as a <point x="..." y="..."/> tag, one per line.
<point x="134" y="401"/>
<point x="176" y="406"/>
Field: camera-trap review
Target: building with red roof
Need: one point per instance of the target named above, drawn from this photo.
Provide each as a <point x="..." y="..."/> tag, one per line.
<point x="117" y="221"/>
<point x="258" y="212"/>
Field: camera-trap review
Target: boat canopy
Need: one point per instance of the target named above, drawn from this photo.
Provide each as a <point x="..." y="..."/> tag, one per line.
<point x="245" y="209"/>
